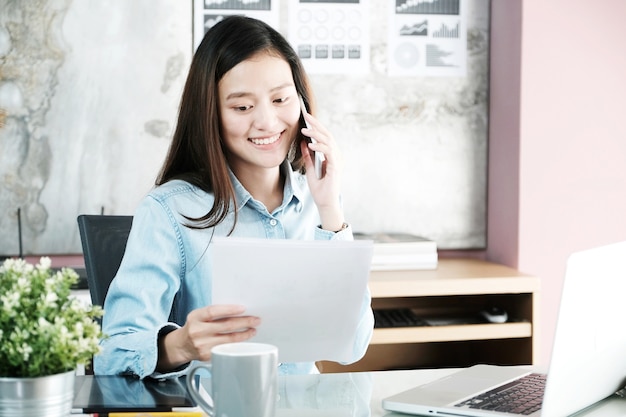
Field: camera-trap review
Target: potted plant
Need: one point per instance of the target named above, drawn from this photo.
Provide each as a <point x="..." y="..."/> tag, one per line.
<point x="45" y="333"/>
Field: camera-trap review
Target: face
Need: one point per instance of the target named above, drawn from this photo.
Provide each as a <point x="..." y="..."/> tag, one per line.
<point x="259" y="112"/>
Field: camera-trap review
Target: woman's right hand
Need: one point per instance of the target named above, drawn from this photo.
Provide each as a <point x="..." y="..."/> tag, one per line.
<point x="205" y="328"/>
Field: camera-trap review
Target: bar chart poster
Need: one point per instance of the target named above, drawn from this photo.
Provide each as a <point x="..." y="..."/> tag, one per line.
<point x="331" y="36"/>
<point x="427" y="38"/>
<point x="207" y="13"/>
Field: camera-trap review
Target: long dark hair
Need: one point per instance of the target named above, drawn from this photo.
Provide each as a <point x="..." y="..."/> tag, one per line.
<point x="197" y="154"/>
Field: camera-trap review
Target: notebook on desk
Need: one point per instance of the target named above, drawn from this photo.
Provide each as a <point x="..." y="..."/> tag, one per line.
<point x="588" y="357"/>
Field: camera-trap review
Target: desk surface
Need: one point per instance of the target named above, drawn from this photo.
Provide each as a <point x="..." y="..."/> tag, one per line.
<point x="360" y="394"/>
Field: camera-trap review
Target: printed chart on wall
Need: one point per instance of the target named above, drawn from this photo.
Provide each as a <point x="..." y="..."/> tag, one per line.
<point x="427" y="38"/>
<point x="207" y="13"/>
<point x="331" y="37"/>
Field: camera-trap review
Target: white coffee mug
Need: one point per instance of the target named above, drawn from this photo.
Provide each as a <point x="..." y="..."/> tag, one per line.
<point x="244" y="380"/>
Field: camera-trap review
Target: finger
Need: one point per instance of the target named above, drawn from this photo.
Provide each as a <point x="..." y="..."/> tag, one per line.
<point x="205" y="353"/>
<point x="325" y="145"/>
<point x="319" y="134"/>
<point x="236" y="324"/>
<point x="203" y="335"/>
<point x="315" y="127"/>
<point x="235" y="336"/>
<point x="218" y="311"/>
<point x="318" y="139"/>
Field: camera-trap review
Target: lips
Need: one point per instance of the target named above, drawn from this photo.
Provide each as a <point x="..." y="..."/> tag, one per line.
<point x="265" y="141"/>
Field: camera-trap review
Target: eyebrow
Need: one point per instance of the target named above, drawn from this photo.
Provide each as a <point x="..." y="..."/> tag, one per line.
<point x="239" y="94"/>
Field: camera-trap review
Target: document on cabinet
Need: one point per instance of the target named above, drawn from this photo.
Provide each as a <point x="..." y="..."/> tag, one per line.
<point x="309" y="294"/>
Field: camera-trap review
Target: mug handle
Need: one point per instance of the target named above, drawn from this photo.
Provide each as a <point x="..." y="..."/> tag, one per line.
<point x="206" y="407"/>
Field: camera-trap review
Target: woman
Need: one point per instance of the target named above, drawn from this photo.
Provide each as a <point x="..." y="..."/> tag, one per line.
<point x="239" y="165"/>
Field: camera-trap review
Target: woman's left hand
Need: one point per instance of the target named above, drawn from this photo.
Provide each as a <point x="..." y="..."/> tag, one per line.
<point x="325" y="190"/>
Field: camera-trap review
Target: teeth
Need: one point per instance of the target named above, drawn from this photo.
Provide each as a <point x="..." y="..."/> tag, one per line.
<point x="265" y="141"/>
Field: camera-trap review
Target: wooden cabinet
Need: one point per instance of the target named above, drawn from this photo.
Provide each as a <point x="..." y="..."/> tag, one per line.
<point x="455" y="292"/>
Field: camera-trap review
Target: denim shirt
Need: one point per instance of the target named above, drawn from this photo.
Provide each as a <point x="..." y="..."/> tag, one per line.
<point x="166" y="272"/>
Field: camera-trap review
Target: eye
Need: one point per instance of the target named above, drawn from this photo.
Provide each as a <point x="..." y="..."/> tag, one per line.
<point x="281" y="100"/>
<point x="242" y="108"/>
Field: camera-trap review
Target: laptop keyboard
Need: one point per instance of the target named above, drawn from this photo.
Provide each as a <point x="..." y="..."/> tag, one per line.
<point x="522" y="396"/>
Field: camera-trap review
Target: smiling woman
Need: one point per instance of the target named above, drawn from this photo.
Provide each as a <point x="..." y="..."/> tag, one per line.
<point x="239" y="165"/>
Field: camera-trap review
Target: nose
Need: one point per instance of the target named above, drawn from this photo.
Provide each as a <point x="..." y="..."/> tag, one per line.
<point x="265" y="116"/>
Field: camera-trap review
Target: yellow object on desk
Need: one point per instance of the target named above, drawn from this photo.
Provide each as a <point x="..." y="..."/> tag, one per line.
<point x="160" y="414"/>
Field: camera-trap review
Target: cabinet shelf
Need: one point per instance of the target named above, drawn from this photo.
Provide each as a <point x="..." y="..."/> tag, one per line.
<point x="457" y="288"/>
<point x="429" y="334"/>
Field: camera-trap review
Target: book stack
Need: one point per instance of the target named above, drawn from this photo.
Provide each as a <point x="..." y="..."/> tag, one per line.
<point x="398" y="251"/>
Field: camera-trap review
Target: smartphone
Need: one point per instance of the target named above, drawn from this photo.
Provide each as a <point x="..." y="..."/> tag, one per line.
<point x="319" y="156"/>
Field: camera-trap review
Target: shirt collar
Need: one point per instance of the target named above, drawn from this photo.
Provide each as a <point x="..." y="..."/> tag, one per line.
<point x="295" y="187"/>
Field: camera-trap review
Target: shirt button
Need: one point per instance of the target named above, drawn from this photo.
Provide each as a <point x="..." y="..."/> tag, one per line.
<point x="273" y="222"/>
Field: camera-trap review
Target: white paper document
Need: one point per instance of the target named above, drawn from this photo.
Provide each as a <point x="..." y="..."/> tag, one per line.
<point x="308" y="294"/>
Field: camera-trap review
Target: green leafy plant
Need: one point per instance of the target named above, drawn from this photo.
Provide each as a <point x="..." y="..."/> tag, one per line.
<point x="44" y="330"/>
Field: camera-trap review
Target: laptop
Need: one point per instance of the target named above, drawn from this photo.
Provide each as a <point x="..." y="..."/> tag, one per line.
<point x="588" y="358"/>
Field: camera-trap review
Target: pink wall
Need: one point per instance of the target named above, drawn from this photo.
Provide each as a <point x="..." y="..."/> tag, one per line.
<point x="569" y="133"/>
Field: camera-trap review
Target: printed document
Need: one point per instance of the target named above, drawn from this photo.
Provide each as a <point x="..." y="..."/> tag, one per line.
<point x="308" y="294"/>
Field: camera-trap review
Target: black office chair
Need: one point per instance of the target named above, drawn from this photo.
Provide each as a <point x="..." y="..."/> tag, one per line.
<point x="104" y="242"/>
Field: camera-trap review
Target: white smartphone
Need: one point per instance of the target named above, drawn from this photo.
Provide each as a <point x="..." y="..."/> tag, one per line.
<point x="319" y="156"/>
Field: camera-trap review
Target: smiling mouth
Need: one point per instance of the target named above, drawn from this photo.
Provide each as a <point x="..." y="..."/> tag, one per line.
<point x="265" y="141"/>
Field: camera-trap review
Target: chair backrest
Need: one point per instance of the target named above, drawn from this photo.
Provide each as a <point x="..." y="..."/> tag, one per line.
<point x="104" y="241"/>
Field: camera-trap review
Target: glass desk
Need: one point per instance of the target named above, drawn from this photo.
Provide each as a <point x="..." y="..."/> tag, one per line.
<point x="357" y="394"/>
<point x="360" y="394"/>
